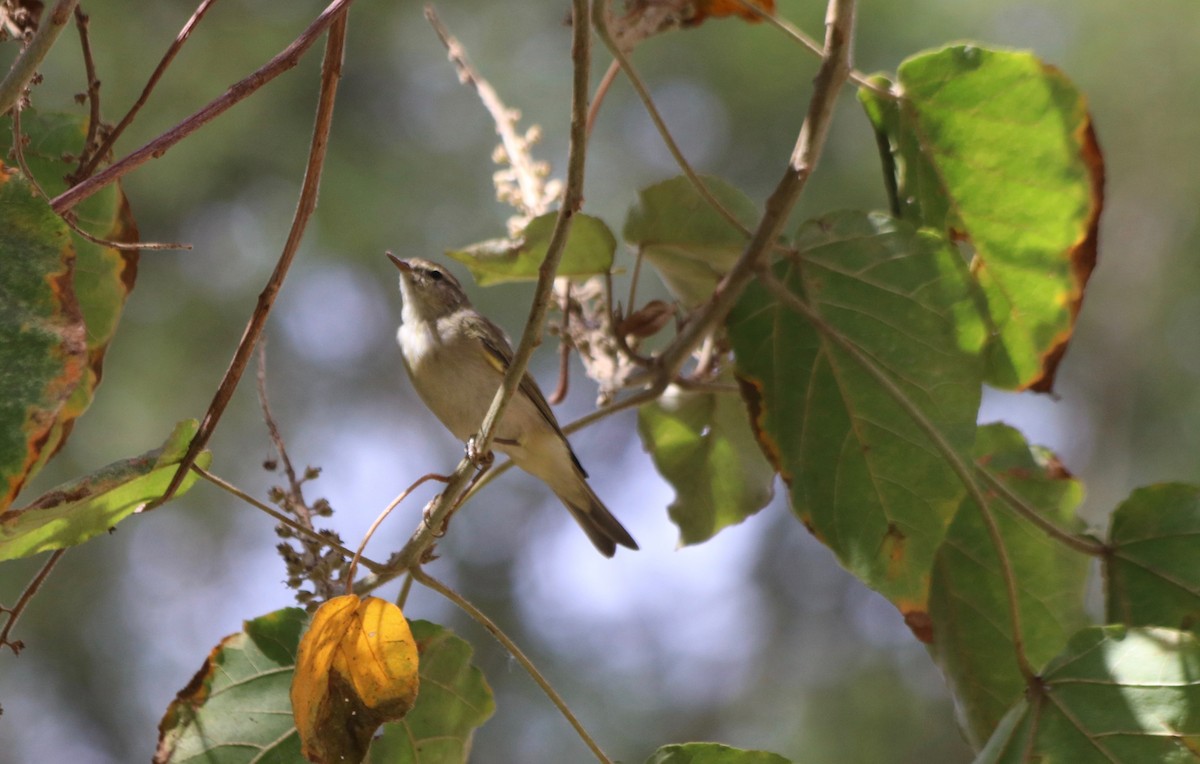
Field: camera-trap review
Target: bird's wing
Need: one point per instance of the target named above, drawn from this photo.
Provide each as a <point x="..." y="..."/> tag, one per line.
<point x="501" y="354"/>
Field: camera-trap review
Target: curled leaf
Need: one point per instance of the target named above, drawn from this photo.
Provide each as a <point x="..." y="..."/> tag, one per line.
<point x="356" y="669"/>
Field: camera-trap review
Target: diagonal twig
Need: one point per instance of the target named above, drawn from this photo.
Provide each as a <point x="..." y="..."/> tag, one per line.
<point x="519" y="655"/>
<point x="239" y="91"/>
<point x="14" y="613"/>
<point x="598" y="18"/>
<point x="87" y="169"/>
<point x="331" y="72"/>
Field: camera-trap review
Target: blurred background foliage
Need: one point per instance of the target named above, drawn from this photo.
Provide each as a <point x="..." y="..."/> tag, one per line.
<point x="757" y="638"/>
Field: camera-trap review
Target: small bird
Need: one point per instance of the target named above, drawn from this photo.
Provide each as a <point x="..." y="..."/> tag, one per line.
<point x="457" y="359"/>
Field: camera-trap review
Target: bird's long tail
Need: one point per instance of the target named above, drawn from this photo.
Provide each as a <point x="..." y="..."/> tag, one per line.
<point x="597" y="522"/>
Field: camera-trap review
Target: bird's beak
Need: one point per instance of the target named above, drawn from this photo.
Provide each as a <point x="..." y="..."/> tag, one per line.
<point x="401" y="264"/>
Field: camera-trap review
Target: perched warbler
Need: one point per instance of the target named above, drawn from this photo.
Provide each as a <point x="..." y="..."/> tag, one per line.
<point x="456" y="360"/>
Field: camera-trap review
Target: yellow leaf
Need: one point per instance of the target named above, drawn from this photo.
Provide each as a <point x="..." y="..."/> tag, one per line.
<point x="356" y="669"/>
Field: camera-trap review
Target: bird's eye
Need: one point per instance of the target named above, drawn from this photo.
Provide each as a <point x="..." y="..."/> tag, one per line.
<point x="435" y="275"/>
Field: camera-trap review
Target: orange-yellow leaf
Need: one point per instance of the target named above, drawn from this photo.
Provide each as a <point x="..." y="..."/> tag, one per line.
<point x="356" y="669"/>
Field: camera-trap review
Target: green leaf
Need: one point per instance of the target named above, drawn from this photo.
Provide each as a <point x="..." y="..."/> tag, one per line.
<point x="703" y="445"/>
<point x="712" y="753"/>
<point x="997" y="147"/>
<point x="237" y="708"/>
<point x="589" y="251"/>
<point x="862" y="475"/>
<point x="1114" y="695"/>
<point x="968" y="602"/>
<point x="915" y="189"/>
<point x="690" y="244"/>
<point x="74" y="512"/>
<point x="103" y="276"/>
<point x="1152" y="574"/>
<point x="454" y="700"/>
<point x="43" y="351"/>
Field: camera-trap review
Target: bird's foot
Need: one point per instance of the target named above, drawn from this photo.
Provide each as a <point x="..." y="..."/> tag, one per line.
<point x="481" y="459"/>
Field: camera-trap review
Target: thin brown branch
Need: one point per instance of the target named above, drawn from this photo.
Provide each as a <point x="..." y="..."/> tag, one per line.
<point x="785" y="26"/>
<point x="379" y="520"/>
<point x="835" y="67"/>
<point x="610" y="76"/>
<point x="69" y="219"/>
<point x="14" y="613"/>
<point x="289" y="471"/>
<point x="93" y="86"/>
<point x="331" y="71"/>
<point x="306" y="532"/>
<point x="961" y="467"/>
<point x="564" y="349"/>
<point x="23" y="68"/>
<point x="534" y="200"/>
<point x="109" y="140"/>
<point x="598" y="18"/>
<point x="239" y="91"/>
<point x="465" y="473"/>
<point x="508" y="644"/>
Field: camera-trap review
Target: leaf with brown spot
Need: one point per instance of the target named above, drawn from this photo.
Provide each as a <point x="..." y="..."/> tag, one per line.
<point x="43" y="351"/>
<point x="860" y="470"/>
<point x="103" y="276"/>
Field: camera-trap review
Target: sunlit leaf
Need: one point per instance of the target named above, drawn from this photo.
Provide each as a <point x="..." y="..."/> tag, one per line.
<point x="1114" y="695"/>
<point x="1152" y="573"/>
<point x="996" y="147"/>
<point x="43" y="350"/>
<point x="862" y="474"/>
<point x="454" y="701"/>
<point x="712" y="753"/>
<point x="589" y="251"/>
<point x="103" y="276"/>
<point x="969" y="631"/>
<point x="236" y="707"/>
<point x="690" y="244"/>
<point x="76" y="511"/>
<point x="356" y="669"/>
<point x="702" y="443"/>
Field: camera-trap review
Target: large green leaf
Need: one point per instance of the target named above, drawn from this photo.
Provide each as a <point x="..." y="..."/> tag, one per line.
<point x="237" y="708"/>
<point x="1152" y="572"/>
<point x="712" y="753"/>
<point x="1114" y="695"/>
<point x="103" y="276"/>
<point x="589" y="251"/>
<point x="454" y="700"/>
<point x="970" y="634"/>
<point x="997" y="147"/>
<point x="690" y="244"/>
<point x="89" y="506"/>
<point x="863" y="474"/>
<point x="702" y="443"/>
<point x="43" y="351"/>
